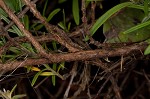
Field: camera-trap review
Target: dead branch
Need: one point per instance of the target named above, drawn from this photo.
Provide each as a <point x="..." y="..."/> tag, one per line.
<point x="77" y="56"/>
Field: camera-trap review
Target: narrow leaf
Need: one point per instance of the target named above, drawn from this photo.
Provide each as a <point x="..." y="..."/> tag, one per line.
<point x="75" y="10"/>
<point x="137" y="27"/>
<point x="54" y="77"/>
<point x="26" y="21"/>
<point x="52" y="14"/>
<point x="36" y="77"/>
<point x="146" y="7"/>
<point x="44" y="9"/>
<point x="12" y="90"/>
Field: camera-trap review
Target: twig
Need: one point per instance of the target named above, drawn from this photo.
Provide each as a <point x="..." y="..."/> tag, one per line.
<point x="140" y="73"/>
<point x="73" y="74"/>
<point x="138" y="90"/>
<point x="84" y="19"/>
<point x="115" y="88"/>
<point x="116" y="64"/>
<point x="42" y="81"/>
<point x="146" y="76"/>
<point x="125" y="80"/>
<point x="99" y="91"/>
<point x="93" y="5"/>
<point x="85" y="78"/>
<point x="61" y="89"/>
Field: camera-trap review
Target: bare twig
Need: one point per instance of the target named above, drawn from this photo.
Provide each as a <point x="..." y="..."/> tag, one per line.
<point x="138" y="90"/>
<point x="93" y="5"/>
<point x="115" y="88"/>
<point x="84" y="19"/>
<point x="99" y="91"/>
<point x="73" y="74"/>
<point x="85" y="78"/>
<point x="146" y="76"/>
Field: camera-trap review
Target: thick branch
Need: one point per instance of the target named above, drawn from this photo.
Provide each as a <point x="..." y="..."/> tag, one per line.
<point x="77" y="56"/>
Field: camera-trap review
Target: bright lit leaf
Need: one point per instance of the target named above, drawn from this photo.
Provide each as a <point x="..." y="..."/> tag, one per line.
<point x="47" y="74"/>
<point x="35" y="69"/>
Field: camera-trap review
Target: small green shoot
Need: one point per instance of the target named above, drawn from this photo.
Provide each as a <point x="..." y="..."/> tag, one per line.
<point x="62" y="24"/>
<point x="6" y="94"/>
<point x="45" y="7"/>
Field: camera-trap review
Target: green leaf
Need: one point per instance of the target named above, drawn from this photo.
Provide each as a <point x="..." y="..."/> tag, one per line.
<point x="36" y="77"/>
<point x="146" y="7"/>
<point x="56" y="73"/>
<point x="14" y="27"/>
<point x="28" y="47"/>
<point x="12" y="90"/>
<point x="106" y="16"/>
<point x="15" y="50"/>
<point x="45" y="7"/>
<point x="19" y="96"/>
<point x="147" y="50"/>
<point x="2" y="12"/>
<point x="14" y="5"/>
<point x="47" y="74"/>
<point x="50" y="16"/>
<point x="54" y="77"/>
<point x="139" y="26"/>
<point x="61" y="25"/>
<point x="64" y="21"/>
<point x="126" y="26"/>
<point x="54" y="45"/>
<point x="61" y="66"/>
<point x="75" y="10"/>
<point x="69" y="25"/>
<point x="26" y="21"/>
